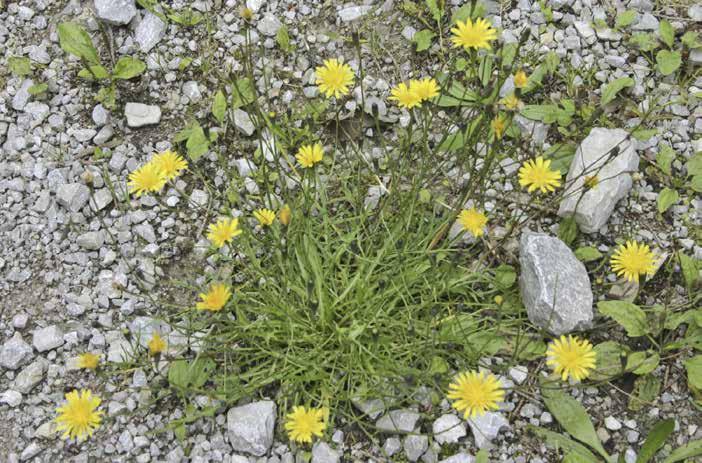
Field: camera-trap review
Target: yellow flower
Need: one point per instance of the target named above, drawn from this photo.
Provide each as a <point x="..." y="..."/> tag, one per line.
<point x="538" y="174"/>
<point x="334" y="78"/>
<point x="79" y="416"/>
<point x="473" y="221"/>
<point x="405" y="96"/>
<point x="265" y="217"/>
<point x="157" y="345"/>
<point x="88" y="360"/>
<point x="303" y="423"/>
<point x="285" y="215"/>
<point x="223" y="231"/>
<point x="475" y="393"/>
<point x="520" y="79"/>
<point x="499" y="299"/>
<point x="499" y="125"/>
<point x="426" y="88"/>
<point x="632" y="260"/>
<point x="471" y="34"/>
<point x="511" y="102"/>
<point x="591" y="181"/>
<point x="147" y="178"/>
<point x="309" y="155"/>
<point x="246" y="14"/>
<point x="571" y="357"/>
<point x="215" y="298"/>
<point x="170" y="163"/>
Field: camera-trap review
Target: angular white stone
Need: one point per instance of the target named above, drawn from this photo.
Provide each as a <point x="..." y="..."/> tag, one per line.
<point x="251" y="427"/>
<point x="149" y="32"/>
<point x="139" y="114"/>
<point x="115" y="11"/>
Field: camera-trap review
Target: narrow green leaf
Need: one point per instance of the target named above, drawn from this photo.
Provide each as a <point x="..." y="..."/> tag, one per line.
<point x="667" y="33"/>
<point x="197" y="143"/>
<point x="689" y="269"/>
<point x="627" y="314"/>
<point x="559" y="441"/>
<point x="666" y="198"/>
<point x="282" y="38"/>
<point x="691" y="449"/>
<point x="655" y="440"/>
<point x="664" y="158"/>
<point x="219" y="106"/>
<point x="694" y="371"/>
<point x="568" y="230"/>
<point x="611" y="89"/>
<point x="76" y="41"/>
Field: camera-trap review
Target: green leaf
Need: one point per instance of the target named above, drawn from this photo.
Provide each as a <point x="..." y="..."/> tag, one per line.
<point x="128" y="68"/>
<point x="219" y="107"/>
<point x="691" y="449"/>
<point x="76" y="41"/>
<point x="485" y="69"/>
<point x="640" y="363"/>
<point x="643" y="134"/>
<point x="609" y="361"/>
<point x="655" y="440"/>
<point x="666" y="32"/>
<point x="559" y="441"/>
<point x="107" y="96"/>
<point x="644" y="41"/>
<point x="668" y="61"/>
<point x="625" y="18"/>
<point x="197" y="143"/>
<point x="184" y="63"/>
<point x="434" y="9"/>
<point x="456" y="95"/>
<point x="568" y="230"/>
<point x="242" y="93"/>
<point x="694" y="371"/>
<point x="587" y="254"/>
<point x="482" y="457"/>
<point x="689" y="269"/>
<point x="646" y="389"/>
<point x="505" y="276"/>
<point x="573" y="417"/>
<point x="423" y="39"/>
<point x="19" y="65"/>
<point x="94" y="72"/>
<point x="664" y="158"/>
<point x="539" y="112"/>
<point x="282" y="38"/>
<point x="38" y="89"/>
<point x="666" y="198"/>
<point x="464" y="12"/>
<point x="696" y="183"/>
<point x="184" y="375"/>
<point x="627" y="314"/>
<point x="611" y="89"/>
<point x="694" y="165"/>
<point x="691" y="40"/>
<point x="453" y="142"/>
<point x="187" y="18"/>
<point x="509" y="52"/>
<point x="561" y="156"/>
<point x="551" y="62"/>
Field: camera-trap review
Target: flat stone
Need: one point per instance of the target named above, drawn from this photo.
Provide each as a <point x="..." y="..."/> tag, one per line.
<point x="415" y="446"/>
<point x="243" y="122"/>
<point x="269" y="25"/>
<point x="402" y="420"/>
<point x="519" y="374"/>
<point x="352" y="13"/>
<point x="139" y="114"/>
<point x="116" y="12"/>
<point x="485" y="428"/>
<point x="30" y="376"/>
<point x="101" y="199"/>
<point x="92" y="240"/>
<point x="15" y="352"/>
<point x="554" y="284"/>
<point x="149" y="32"/>
<point x="372" y="408"/>
<point x="323" y="453"/>
<point x="21" y="98"/>
<point x="595" y="157"/>
<point x="48" y="338"/>
<point x="100" y="115"/>
<point x="251" y="427"/>
<point x="459" y="458"/>
<point x="612" y="423"/>
<point x="646" y="22"/>
<point x="72" y="196"/>
<point x="392" y="445"/>
<point x="11" y="398"/>
<point x="448" y="429"/>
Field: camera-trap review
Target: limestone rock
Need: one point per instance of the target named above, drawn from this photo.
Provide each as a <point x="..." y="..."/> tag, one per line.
<point x="139" y="114"/>
<point x="251" y="427"/>
<point x="116" y="12"/>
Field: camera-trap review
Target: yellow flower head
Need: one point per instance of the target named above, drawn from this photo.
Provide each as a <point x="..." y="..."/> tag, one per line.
<point x="475" y="393"/>
<point x="88" y="361"/>
<point x="223" y="231"/>
<point x="309" y="155"/>
<point x="472" y="220"/>
<point x="157" y="345"/>
<point x="405" y="96"/>
<point x="632" y="260"/>
<point x="170" y="163"/>
<point x="215" y="298"/>
<point x="147" y="178"/>
<point x="537" y="174"/>
<point x="571" y="357"/>
<point x="246" y="14"/>
<point x="520" y="79"/>
<point x="511" y="102"/>
<point x="303" y="423"/>
<point x="285" y="215"/>
<point x="334" y="78"/>
<point x="426" y="88"/>
<point x="499" y="125"/>
<point x="265" y="217"/>
<point x="79" y="417"/>
<point x="471" y="34"/>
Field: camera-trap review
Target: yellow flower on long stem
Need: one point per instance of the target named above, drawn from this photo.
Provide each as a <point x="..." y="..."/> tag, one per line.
<point x="79" y="417"/>
<point x="285" y="215"/>
<point x="157" y="345"/>
<point x="334" y="78"/>
<point x="571" y="357"/>
<point x="475" y="393"/>
<point x="215" y="298"/>
<point x="537" y="174"/>
<point x="473" y="220"/>
<point x="520" y="79"/>
<point x="304" y="423"/>
<point x="147" y="178"/>
<point x="499" y="125"/>
<point x="170" y="163"/>
<point x="265" y="217"/>
<point x="405" y="96"/>
<point x="309" y="155"/>
<point x="632" y="260"/>
<point x="471" y="34"/>
<point x="223" y="231"/>
<point x="425" y="88"/>
<point x="88" y="361"/>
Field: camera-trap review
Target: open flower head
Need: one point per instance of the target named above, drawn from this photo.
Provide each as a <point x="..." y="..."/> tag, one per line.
<point x="304" y="423"/>
<point x="265" y="217"/>
<point x="425" y="88"/>
<point x="633" y="259"/>
<point x="285" y="215"/>
<point x="571" y="357"/>
<point x="499" y="125"/>
<point x="146" y="179"/>
<point x="473" y="220"/>
<point x="79" y="417"/>
<point x="215" y="298"/>
<point x="334" y="78"/>
<point x="405" y="96"/>
<point x="88" y="361"/>
<point x="471" y="34"/>
<point x="223" y="231"/>
<point x="537" y="174"/>
<point x="170" y="163"/>
<point x="157" y="345"/>
<point x="475" y="393"/>
<point x="520" y="79"/>
<point x="309" y="155"/>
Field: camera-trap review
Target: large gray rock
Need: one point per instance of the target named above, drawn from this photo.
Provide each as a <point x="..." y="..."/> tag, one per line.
<point x="251" y="427"/>
<point x="402" y="420"/>
<point x="139" y="114"/>
<point x="15" y="352"/>
<point x="243" y="122"/>
<point x="47" y="338"/>
<point x="21" y="98"/>
<point x="554" y="284"/>
<point x="448" y="429"/>
<point x="322" y="453"/>
<point x="593" y="206"/>
<point x="115" y="11"/>
<point x="486" y="427"/>
<point x="269" y="25"/>
<point x="149" y="32"/>
<point x="415" y="446"/>
<point x="30" y="376"/>
<point x="72" y="196"/>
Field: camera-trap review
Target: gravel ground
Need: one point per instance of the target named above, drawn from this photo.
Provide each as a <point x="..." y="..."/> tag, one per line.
<point x="73" y="266"/>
